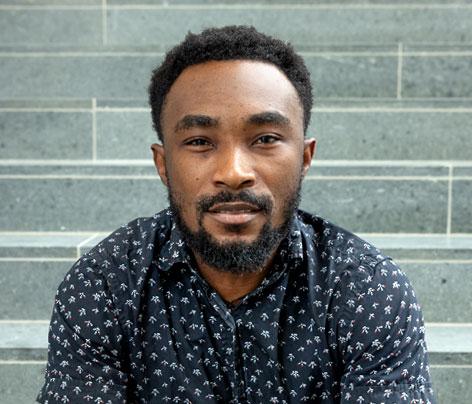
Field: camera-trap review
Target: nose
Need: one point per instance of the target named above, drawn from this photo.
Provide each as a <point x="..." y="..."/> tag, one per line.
<point x="234" y="170"/>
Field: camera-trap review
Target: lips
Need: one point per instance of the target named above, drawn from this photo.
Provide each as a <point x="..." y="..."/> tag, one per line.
<point x="233" y="208"/>
<point x="233" y="213"/>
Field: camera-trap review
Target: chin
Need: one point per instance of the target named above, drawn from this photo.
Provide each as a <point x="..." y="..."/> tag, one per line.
<point x="227" y="240"/>
<point x="244" y="232"/>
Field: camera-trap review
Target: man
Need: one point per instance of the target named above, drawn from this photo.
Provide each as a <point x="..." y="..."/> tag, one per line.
<point x="232" y="295"/>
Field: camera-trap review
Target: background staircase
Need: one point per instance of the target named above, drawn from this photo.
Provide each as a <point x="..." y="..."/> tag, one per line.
<point x="393" y="119"/>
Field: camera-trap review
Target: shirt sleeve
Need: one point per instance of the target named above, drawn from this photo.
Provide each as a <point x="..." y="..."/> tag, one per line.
<point x="381" y="339"/>
<point x="85" y="339"/>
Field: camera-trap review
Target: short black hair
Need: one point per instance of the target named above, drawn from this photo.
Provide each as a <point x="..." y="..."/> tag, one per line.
<point x="228" y="43"/>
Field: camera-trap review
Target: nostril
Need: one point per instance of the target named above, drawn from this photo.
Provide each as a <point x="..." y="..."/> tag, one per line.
<point x="234" y="182"/>
<point x="234" y="171"/>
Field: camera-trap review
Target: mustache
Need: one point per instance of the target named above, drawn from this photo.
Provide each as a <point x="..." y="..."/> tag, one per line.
<point x="262" y="202"/>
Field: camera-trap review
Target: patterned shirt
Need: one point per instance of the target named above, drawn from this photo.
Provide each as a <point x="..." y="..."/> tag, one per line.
<point x="334" y="321"/>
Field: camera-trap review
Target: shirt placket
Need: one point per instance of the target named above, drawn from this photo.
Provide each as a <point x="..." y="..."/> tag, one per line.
<point x="232" y="341"/>
<point x="231" y="347"/>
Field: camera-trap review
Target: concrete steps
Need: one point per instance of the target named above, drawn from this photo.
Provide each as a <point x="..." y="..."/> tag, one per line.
<point x="393" y="112"/>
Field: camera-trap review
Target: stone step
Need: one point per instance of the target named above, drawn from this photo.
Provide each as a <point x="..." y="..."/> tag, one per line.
<point x="375" y="198"/>
<point x="33" y="264"/>
<point x="364" y="71"/>
<point x="163" y="24"/>
<point x="345" y="131"/>
<point x="23" y="356"/>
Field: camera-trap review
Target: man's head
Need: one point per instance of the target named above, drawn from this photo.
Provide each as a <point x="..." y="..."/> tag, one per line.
<point x="233" y="155"/>
<point x="228" y="43"/>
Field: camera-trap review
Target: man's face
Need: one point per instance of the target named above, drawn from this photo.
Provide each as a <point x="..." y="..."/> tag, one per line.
<point x="233" y="158"/>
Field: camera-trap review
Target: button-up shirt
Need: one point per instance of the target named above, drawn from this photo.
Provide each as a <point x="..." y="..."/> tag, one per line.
<point x="333" y="321"/>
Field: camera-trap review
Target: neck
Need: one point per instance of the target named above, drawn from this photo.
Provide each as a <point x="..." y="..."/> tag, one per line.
<point x="232" y="287"/>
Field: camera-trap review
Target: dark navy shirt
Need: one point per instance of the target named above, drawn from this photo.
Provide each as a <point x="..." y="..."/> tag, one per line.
<point x="334" y="321"/>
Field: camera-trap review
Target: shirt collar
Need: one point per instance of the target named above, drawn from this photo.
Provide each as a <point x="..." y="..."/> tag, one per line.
<point x="294" y="240"/>
<point x="174" y="250"/>
<point x="289" y="255"/>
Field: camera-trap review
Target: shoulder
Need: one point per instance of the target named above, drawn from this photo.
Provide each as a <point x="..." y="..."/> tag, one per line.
<point x="337" y="252"/>
<point x="126" y="253"/>
<point x="134" y="238"/>
<point x="351" y="272"/>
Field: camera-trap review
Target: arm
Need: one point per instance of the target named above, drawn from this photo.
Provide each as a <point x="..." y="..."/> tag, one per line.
<point x="381" y="340"/>
<point x="85" y="342"/>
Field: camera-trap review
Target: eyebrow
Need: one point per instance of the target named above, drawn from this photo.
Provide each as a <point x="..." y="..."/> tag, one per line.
<point x="269" y="117"/>
<point x="195" y="121"/>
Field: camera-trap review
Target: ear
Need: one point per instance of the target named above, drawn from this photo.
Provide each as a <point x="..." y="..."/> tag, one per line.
<point x="309" y="148"/>
<point x="160" y="161"/>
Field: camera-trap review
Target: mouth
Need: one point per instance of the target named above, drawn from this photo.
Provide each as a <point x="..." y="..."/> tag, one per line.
<point x="234" y="213"/>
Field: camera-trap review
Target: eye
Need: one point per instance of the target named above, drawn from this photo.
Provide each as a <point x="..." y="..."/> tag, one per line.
<point x="266" y="139"/>
<point x="198" y="142"/>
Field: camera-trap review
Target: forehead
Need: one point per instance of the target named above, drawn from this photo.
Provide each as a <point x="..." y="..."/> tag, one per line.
<point x="230" y="88"/>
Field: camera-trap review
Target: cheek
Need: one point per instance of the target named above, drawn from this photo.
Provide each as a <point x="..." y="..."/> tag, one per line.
<point x="284" y="183"/>
<point x="283" y="176"/>
<point x="185" y="190"/>
<point x="175" y="172"/>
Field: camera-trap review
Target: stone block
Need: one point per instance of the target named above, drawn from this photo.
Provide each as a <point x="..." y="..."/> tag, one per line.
<point x="82" y="203"/>
<point x="20" y="383"/>
<point x="124" y="135"/>
<point x="352" y="75"/>
<point x="48" y="26"/>
<point x="300" y="25"/>
<point x="27" y="335"/>
<point x="17" y="245"/>
<point x="414" y="206"/>
<point x="28" y="288"/>
<point x="462" y="206"/>
<point x="443" y="290"/>
<point x="84" y="76"/>
<point x="445" y="76"/>
<point x="98" y="168"/>
<point x="402" y="135"/>
<point x="408" y="247"/>
<point x="452" y="384"/>
<point x="463" y="171"/>
<point x="322" y="169"/>
<point x="45" y="135"/>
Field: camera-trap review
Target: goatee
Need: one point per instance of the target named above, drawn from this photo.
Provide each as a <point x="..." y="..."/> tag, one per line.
<point x="236" y="257"/>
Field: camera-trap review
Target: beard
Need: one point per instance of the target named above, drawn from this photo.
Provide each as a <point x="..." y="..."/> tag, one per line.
<point x="236" y="257"/>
